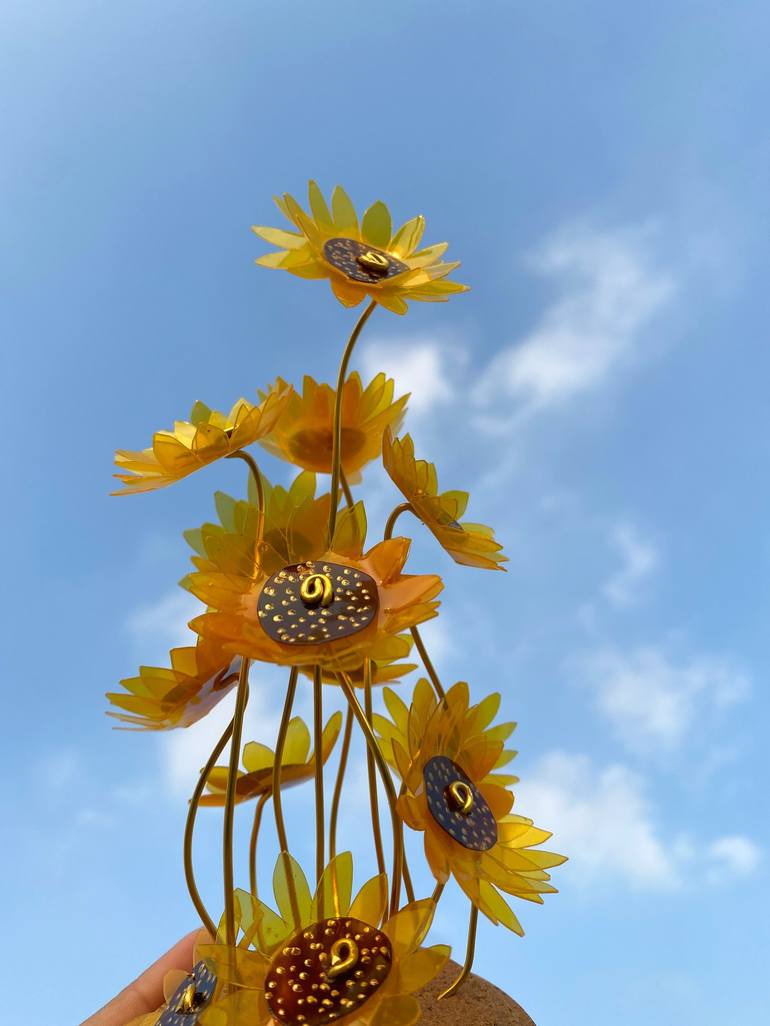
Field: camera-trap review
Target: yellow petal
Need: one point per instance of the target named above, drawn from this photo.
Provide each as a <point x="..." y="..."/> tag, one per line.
<point x="345" y="218"/>
<point x="376" y="226"/>
<point x="424" y="965"/>
<point x="398" y="1010"/>
<point x="291" y="890"/>
<point x="332" y="896"/>
<point x="371" y="901"/>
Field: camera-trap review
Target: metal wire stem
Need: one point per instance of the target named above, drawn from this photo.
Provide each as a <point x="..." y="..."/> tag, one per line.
<point x="429" y="667"/>
<point x="390" y="791"/>
<point x="241" y="699"/>
<point x="263" y="798"/>
<point x="372" y="771"/>
<point x="337" y="423"/>
<point x="469" y="953"/>
<point x="344" y="751"/>
<point x="280" y="824"/>
<point x="320" y="846"/>
<point x="405" y="507"/>
<point x="189" y="830"/>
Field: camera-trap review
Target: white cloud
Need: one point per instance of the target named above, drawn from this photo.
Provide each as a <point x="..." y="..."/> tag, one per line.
<point x="161" y="625"/>
<point x="733" y="854"/>
<point x="652" y="701"/>
<point x="601" y="818"/>
<point x="604" y="820"/>
<point x="639" y="560"/>
<point x="424" y="365"/>
<point x="609" y="292"/>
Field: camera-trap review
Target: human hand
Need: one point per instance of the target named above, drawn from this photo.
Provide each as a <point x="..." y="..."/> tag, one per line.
<point x="145" y="994"/>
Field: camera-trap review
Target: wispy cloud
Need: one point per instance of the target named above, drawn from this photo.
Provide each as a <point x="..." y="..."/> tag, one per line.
<point x="604" y="820"/>
<point x="428" y="366"/>
<point x="609" y="289"/>
<point x="652" y="701"/>
<point x="639" y="560"/>
<point x="161" y="625"/>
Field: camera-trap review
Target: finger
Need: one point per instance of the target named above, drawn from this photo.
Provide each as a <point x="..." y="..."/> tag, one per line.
<point x="145" y="994"/>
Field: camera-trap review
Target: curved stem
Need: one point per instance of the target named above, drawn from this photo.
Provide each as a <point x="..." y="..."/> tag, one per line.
<point x="469" y="953"/>
<point x="263" y="798"/>
<point x="405" y="507"/>
<point x="429" y="667"/>
<point x="337" y="423"/>
<point x="438" y="890"/>
<point x="241" y="699"/>
<point x="247" y="458"/>
<point x="372" y="772"/>
<point x="390" y="791"/>
<point x="349" y="500"/>
<point x="344" y="751"/>
<point x="318" y="726"/>
<point x="189" y="830"/>
<point x="407" y="875"/>
<point x="280" y="825"/>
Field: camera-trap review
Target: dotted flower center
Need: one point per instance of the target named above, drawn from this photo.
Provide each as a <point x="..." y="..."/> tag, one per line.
<point x="327" y="971"/>
<point x="458" y="806"/>
<point x="316" y="602"/>
<point x="361" y="262"/>
<point x="190" y="998"/>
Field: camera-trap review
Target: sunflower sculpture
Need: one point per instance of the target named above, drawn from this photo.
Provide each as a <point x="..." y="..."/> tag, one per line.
<point x="286" y="577"/>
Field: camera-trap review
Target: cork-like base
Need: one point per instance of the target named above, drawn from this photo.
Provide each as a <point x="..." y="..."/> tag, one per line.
<point x="478" y="1003"/>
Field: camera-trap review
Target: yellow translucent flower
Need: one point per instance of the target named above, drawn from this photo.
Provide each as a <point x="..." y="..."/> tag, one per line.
<point x="359" y="260"/>
<point x="161" y="698"/>
<point x="305" y="435"/>
<point x="469" y="544"/>
<point x="447" y="754"/>
<point x="297" y="763"/>
<point x="206" y="437"/>
<point x="256" y="601"/>
<point x="324" y="957"/>
<point x="385" y="665"/>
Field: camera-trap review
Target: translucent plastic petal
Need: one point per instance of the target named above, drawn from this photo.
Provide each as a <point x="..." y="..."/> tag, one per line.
<point x="297" y="743"/>
<point x="292" y="893"/>
<point x="332" y="896"/>
<point x="371" y="901"/>
<point x="398" y="1010"/>
<point x="407" y="928"/>
<point x="376" y="225"/>
<point x="421" y="967"/>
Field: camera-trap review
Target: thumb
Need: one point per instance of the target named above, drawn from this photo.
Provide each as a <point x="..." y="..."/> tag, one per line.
<point x="145" y="994"/>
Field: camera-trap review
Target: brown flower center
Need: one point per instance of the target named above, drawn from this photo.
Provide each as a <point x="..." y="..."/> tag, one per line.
<point x="312" y="447"/>
<point x="362" y="262"/>
<point x="316" y="602"/>
<point x="190" y="998"/>
<point x="327" y="971"/>
<point x="458" y="806"/>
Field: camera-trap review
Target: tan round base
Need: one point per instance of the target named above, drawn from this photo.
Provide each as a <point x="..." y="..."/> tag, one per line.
<point x="478" y="1003"/>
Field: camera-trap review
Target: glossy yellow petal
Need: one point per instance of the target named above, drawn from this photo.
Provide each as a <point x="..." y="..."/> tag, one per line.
<point x="408" y="927"/>
<point x="332" y="896"/>
<point x="371" y="901"/>
<point x="398" y="1010"/>
<point x="376" y="225"/>
<point x="297" y="743"/>
<point x="345" y="218"/>
<point x="422" y="966"/>
<point x="318" y="205"/>
<point x="260" y="924"/>
<point x="292" y="894"/>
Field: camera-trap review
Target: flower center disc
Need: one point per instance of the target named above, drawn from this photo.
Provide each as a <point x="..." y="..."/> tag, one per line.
<point x="362" y="262"/>
<point x="290" y="613"/>
<point x="190" y="998"/>
<point x="458" y="806"/>
<point x="312" y="447"/>
<point x="327" y="971"/>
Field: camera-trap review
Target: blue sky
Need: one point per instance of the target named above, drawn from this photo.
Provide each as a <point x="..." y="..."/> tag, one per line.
<point x="601" y="170"/>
